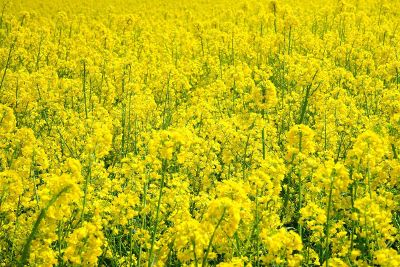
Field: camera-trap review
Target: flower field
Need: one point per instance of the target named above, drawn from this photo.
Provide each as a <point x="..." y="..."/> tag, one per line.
<point x="200" y="133"/>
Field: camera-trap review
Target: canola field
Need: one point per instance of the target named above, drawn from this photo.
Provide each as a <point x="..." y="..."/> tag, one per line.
<point x="199" y="133"/>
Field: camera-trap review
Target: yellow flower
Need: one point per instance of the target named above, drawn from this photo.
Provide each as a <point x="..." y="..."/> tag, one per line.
<point x="226" y="212"/>
<point x="84" y="245"/>
<point x="7" y="119"/>
<point x="300" y="139"/>
<point x="386" y="257"/>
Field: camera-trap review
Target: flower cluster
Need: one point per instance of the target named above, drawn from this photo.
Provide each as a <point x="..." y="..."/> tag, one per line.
<point x="200" y="133"/>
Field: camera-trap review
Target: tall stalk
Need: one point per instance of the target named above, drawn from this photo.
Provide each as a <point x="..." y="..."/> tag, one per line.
<point x="153" y="234"/>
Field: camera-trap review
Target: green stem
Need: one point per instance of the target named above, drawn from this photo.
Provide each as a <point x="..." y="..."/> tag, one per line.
<point x="194" y="253"/>
<point x="7" y="63"/>
<point x="263" y="142"/>
<point x="204" y="263"/>
<point x="153" y="235"/>
<point x="143" y="220"/>
<point x="305" y="100"/>
<point x="35" y="228"/>
<point x="87" y="178"/>
<point x="394" y="151"/>
<point x="328" y="224"/>
<point x="84" y="88"/>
